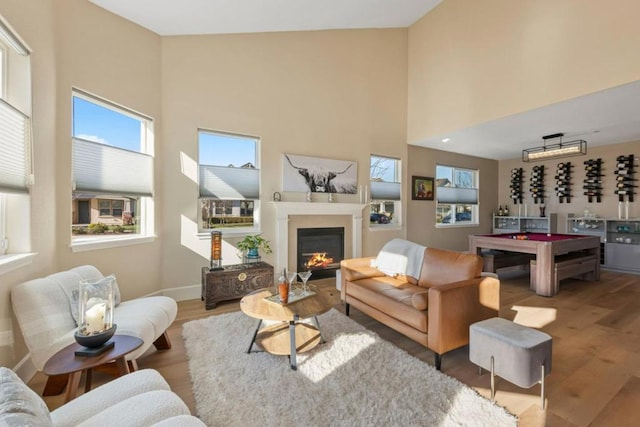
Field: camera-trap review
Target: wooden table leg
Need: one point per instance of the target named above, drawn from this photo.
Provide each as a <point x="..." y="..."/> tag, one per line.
<point x="133" y="365"/>
<point x="87" y="380"/>
<point x="72" y="386"/>
<point x="55" y="385"/>
<point x="123" y="366"/>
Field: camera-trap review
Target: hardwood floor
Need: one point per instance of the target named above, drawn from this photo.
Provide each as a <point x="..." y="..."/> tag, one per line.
<point x="595" y="378"/>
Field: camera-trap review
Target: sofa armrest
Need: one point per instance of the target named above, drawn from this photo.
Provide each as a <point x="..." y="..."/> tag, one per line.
<point x="356" y="269"/>
<point x="455" y="306"/>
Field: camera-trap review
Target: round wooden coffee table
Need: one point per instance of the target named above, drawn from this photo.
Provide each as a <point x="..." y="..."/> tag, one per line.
<point x="290" y="336"/>
<point x="65" y="362"/>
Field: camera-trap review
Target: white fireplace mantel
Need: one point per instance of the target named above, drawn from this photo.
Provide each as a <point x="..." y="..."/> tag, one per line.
<point x="285" y="209"/>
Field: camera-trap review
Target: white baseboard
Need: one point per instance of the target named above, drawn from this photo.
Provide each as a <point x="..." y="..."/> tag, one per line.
<point x="182" y="293"/>
<point x="25" y="368"/>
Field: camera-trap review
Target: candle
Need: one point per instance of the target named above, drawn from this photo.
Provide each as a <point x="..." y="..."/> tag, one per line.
<point x="94" y="317"/>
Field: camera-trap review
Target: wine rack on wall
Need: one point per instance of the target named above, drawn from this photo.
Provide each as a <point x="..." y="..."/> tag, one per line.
<point x="515" y="187"/>
<point x="592" y="184"/>
<point x="563" y="182"/>
<point x="624" y="177"/>
<point x="537" y="184"/>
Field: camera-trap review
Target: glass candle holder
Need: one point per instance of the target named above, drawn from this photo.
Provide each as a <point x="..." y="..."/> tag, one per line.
<point x="95" y="310"/>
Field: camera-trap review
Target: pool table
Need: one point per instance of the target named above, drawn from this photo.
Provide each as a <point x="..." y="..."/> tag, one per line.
<point x="546" y="247"/>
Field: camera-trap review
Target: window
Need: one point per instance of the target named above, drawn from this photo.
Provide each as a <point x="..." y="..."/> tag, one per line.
<point x="15" y="148"/>
<point x="229" y="177"/>
<point x="385" y="191"/>
<point x="456" y="195"/>
<point x="112" y="198"/>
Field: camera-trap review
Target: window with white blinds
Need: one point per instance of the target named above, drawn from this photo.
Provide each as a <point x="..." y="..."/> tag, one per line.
<point x="385" y="190"/>
<point x="229" y="180"/>
<point x="112" y="165"/>
<point x="456" y="196"/>
<point x="15" y="150"/>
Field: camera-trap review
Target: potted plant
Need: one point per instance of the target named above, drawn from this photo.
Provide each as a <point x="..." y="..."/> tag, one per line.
<point x="251" y="244"/>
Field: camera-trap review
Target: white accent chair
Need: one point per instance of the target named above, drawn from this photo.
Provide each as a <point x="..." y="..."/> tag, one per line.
<point x="43" y="310"/>
<point x="142" y="398"/>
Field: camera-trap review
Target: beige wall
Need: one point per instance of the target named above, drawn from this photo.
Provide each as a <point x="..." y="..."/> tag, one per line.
<point x="110" y="57"/>
<point x="474" y="61"/>
<point x="421" y="226"/>
<point x="608" y="208"/>
<point x="334" y="94"/>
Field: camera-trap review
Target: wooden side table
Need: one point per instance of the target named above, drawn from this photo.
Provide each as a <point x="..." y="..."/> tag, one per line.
<point x="234" y="281"/>
<point x="65" y="362"/>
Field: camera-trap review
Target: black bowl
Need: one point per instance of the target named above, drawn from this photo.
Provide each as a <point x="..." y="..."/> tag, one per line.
<point x="97" y="339"/>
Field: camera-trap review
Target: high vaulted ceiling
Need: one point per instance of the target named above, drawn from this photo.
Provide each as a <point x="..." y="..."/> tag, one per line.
<point x="171" y="17"/>
<point x="602" y="118"/>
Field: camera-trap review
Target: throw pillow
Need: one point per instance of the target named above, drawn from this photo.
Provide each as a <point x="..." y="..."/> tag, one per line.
<point x="75" y="295"/>
<point x="19" y="405"/>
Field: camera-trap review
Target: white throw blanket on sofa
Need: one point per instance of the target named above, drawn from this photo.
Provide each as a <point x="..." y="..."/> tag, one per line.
<point x="399" y="256"/>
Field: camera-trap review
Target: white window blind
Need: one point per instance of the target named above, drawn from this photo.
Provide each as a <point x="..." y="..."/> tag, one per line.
<point x="100" y="168"/>
<point x="456" y="195"/>
<point x="229" y="183"/>
<point x="15" y="165"/>
<point x="385" y="190"/>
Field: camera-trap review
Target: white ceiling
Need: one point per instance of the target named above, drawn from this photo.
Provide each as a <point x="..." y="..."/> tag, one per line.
<point x="607" y="117"/>
<point x="171" y="17"/>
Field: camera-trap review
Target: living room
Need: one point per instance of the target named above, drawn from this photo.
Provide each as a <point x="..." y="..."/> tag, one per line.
<point x="339" y="94"/>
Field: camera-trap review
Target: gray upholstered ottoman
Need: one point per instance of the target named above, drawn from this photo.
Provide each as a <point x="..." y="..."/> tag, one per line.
<point x="518" y="354"/>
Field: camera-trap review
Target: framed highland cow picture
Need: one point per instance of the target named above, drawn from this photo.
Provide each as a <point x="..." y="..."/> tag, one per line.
<point x="421" y="188"/>
<point x="319" y="175"/>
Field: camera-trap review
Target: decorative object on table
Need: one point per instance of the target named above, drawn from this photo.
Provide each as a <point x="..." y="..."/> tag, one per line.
<point x="421" y="188"/>
<point x="95" y="316"/>
<point x="624" y="179"/>
<point x="304" y="276"/>
<point x="403" y="389"/>
<point x="250" y="246"/>
<point x="283" y="291"/>
<point x="555" y="151"/>
<point x="291" y="276"/>
<point x="593" y="182"/>
<point x="318" y="175"/>
<point x="234" y="281"/>
<point x="515" y="187"/>
<point x="537" y="184"/>
<point x="563" y="182"/>
<point x="215" y="262"/>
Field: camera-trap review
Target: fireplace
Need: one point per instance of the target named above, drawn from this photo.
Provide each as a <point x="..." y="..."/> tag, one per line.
<point x="320" y="250"/>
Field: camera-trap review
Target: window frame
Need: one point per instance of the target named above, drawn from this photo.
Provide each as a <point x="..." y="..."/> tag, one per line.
<point x="475" y="217"/>
<point x="15" y="226"/>
<point x="230" y="231"/>
<point x="396" y="221"/>
<point x="145" y="204"/>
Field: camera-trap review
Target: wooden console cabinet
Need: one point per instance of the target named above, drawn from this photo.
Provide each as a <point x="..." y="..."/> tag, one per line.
<point x="234" y="281"/>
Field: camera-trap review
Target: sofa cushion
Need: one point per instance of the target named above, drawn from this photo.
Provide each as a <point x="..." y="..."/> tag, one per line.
<point x="19" y="405"/>
<point x="420" y="300"/>
<point x="441" y="267"/>
<point x="390" y="295"/>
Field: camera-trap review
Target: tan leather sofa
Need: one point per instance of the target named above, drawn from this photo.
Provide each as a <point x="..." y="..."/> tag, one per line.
<point x="435" y="309"/>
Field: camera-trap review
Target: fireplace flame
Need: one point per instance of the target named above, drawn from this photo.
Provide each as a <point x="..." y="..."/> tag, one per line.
<point x="318" y="260"/>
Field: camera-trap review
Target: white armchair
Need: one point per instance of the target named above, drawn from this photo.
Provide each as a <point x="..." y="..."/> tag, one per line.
<point x="43" y="310"/>
<point x="142" y="398"/>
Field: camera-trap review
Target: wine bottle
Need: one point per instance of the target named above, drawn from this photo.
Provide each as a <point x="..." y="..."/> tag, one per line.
<point x="621" y="172"/>
<point x="623" y="178"/>
<point x="500" y="211"/>
<point x="506" y="210"/>
<point x="593" y="161"/>
<point x="591" y="193"/>
<point x="623" y="192"/>
<point x="623" y="185"/>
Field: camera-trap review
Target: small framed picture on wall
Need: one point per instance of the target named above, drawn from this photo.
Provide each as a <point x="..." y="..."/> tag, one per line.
<point x="421" y="188"/>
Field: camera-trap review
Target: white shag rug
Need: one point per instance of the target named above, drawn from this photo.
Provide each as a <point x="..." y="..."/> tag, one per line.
<point x="355" y="379"/>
